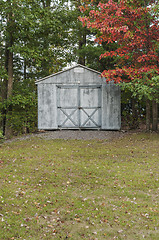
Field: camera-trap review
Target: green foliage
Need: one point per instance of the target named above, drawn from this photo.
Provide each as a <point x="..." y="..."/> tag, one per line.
<point x="145" y="87"/>
<point x="23" y="114"/>
<point x="38" y="34"/>
<point x="92" y="53"/>
<point x="22" y="108"/>
<point x="133" y="110"/>
<point x="1" y="135"/>
<point x="46" y="36"/>
<point x="40" y="31"/>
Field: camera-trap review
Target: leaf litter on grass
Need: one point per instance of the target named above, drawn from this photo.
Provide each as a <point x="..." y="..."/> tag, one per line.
<point x="75" y="189"/>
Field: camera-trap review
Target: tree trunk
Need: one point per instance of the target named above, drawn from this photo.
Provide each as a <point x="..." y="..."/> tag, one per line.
<point x="135" y="122"/>
<point x="46" y="3"/>
<point x="82" y="35"/>
<point x="9" y="66"/>
<point x="8" y="130"/>
<point x="148" y="115"/>
<point x="82" y="42"/>
<point x="154" y="115"/>
<point x="5" y="87"/>
<point x="10" y="75"/>
<point x="25" y="68"/>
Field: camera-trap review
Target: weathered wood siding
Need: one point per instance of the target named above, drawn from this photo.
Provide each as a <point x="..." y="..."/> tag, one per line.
<point x="78" y="98"/>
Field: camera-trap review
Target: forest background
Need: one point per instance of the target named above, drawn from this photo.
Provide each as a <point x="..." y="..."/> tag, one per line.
<point x="41" y="37"/>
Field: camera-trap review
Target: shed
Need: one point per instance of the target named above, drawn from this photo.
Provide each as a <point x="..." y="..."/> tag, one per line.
<point x="78" y="98"/>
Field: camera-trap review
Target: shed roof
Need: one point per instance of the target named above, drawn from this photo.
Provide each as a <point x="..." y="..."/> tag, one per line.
<point x="68" y="69"/>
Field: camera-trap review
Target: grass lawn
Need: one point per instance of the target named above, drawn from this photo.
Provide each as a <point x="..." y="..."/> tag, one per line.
<point x="76" y="189"/>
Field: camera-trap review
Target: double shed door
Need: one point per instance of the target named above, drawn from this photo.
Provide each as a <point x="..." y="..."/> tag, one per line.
<point x="79" y="106"/>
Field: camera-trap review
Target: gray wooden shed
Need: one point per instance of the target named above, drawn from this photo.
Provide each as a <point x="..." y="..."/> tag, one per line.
<point x="78" y="98"/>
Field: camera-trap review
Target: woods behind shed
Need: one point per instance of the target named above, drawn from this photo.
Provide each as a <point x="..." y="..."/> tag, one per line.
<point x="78" y="98"/>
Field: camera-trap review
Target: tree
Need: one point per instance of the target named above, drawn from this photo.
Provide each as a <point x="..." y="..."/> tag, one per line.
<point x="34" y="43"/>
<point x="87" y="52"/>
<point x="135" y="30"/>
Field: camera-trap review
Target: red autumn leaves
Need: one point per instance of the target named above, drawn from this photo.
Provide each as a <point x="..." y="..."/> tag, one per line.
<point x="135" y="32"/>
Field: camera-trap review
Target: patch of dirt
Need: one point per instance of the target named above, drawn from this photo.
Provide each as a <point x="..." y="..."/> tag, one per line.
<point x="72" y="134"/>
<point x="76" y="134"/>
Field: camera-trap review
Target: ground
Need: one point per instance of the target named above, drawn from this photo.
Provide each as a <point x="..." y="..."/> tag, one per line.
<point x="92" y="185"/>
<point x="74" y="134"/>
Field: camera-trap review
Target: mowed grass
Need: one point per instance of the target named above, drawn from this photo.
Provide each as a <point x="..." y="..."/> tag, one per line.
<point x="75" y="189"/>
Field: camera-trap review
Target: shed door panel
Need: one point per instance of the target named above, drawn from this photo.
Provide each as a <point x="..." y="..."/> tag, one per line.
<point x="90" y="107"/>
<point x="79" y="106"/>
<point x="68" y="107"/>
<point x="67" y="97"/>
